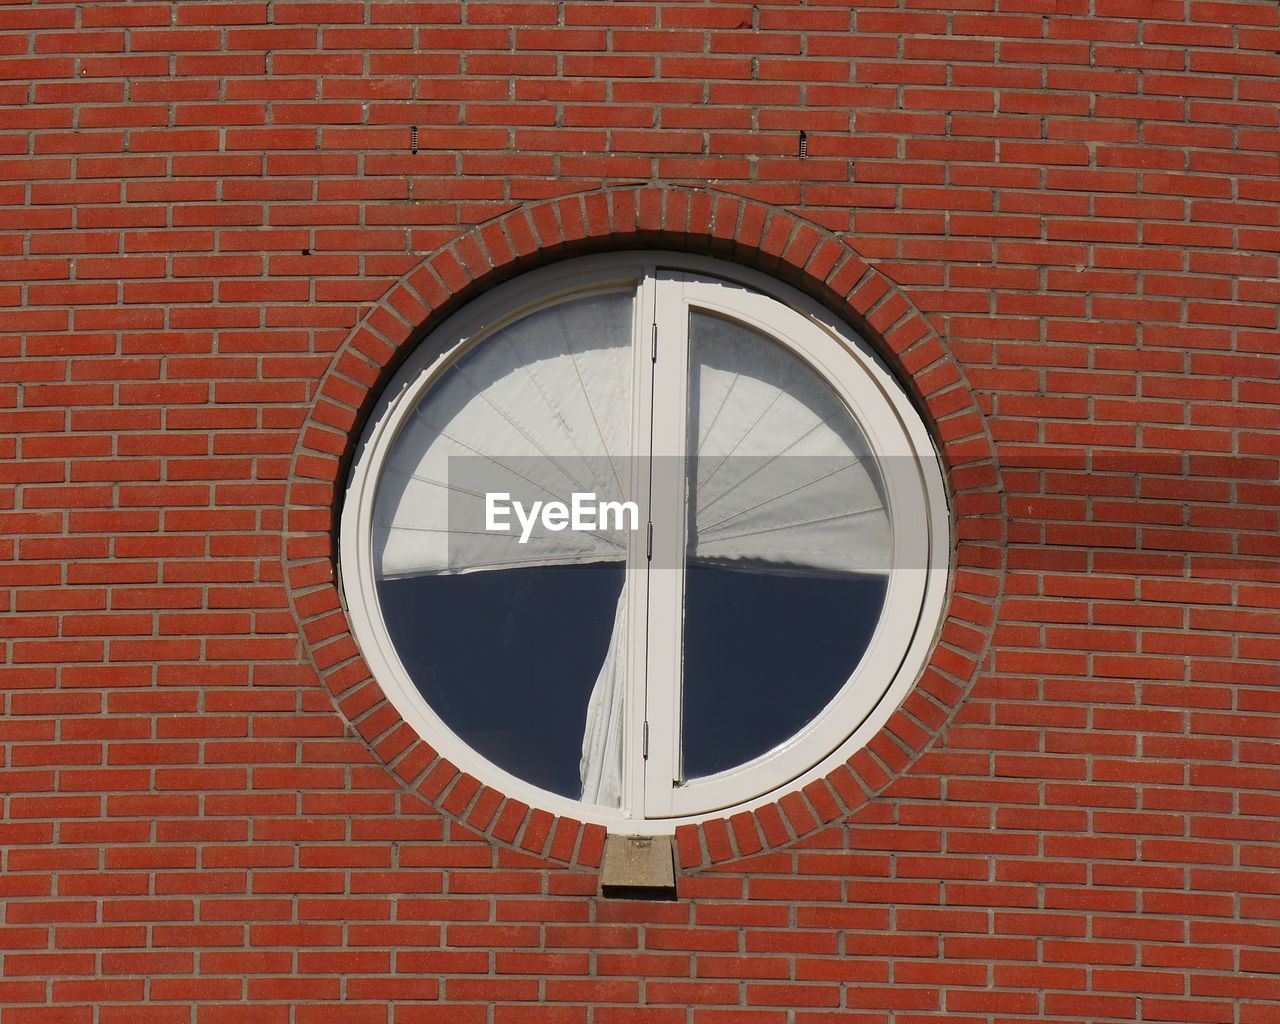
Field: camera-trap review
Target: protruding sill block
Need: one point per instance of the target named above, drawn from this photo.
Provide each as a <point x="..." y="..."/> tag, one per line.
<point x="638" y="868"/>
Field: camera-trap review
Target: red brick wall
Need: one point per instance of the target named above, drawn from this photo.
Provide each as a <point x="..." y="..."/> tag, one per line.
<point x="1069" y="216"/>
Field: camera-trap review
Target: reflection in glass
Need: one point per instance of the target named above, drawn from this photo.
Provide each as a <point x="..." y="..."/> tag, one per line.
<point x="789" y="546"/>
<point x="763" y="655"/>
<point x="508" y="659"/>
<point x="518" y="648"/>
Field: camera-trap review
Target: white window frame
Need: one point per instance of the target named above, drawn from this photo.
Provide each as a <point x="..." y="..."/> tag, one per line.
<point x="667" y="286"/>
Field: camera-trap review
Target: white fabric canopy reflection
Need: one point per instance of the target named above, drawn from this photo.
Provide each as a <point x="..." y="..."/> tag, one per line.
<point x="783" y="481"/>
<point x="540" y="410"/>
<point x="783" y="478"/>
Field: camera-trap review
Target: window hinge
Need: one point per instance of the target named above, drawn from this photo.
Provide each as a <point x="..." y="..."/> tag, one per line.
<point x="644" y="745"/>
<point x="648" y="544"/>
<point x="653" y="350"/>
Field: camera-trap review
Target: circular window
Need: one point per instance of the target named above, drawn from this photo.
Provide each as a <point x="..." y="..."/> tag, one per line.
<point x="645" y="539"/>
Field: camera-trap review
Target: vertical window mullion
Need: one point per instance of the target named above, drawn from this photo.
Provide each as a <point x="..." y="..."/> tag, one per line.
<point x="637" y="581"/>
<point x="670" y="362"/>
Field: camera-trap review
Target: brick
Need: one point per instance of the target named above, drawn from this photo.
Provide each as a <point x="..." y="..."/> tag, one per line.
<point x="1070" y="216"/>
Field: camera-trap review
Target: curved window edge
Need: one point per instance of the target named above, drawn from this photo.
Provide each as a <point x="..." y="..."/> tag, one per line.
<point x="520" y="296"/>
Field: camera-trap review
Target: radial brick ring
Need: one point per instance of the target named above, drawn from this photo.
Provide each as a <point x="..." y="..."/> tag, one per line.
<point x="703" y="221"/>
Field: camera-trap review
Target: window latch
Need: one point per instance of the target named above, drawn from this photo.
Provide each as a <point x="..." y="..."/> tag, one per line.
<point x="653" y="350"/>
<point x="648" y="544"/>
<point x="644" y="744"/>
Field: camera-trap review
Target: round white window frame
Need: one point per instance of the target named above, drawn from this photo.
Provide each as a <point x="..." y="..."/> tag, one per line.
<point x="807" y="329"/>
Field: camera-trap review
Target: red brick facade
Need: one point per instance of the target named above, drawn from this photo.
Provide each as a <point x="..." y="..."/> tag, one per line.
<point x="224" y="224"/>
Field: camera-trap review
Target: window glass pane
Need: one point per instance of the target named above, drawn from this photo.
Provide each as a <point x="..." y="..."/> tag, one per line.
<point x="763" y="655"/>
<point x="508" y="659"/>
<point x="515" y="643"/>
<point x="789" y="546"/>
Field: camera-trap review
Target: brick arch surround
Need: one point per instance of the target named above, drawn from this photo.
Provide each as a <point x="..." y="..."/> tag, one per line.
<point x="695" y="220"/>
